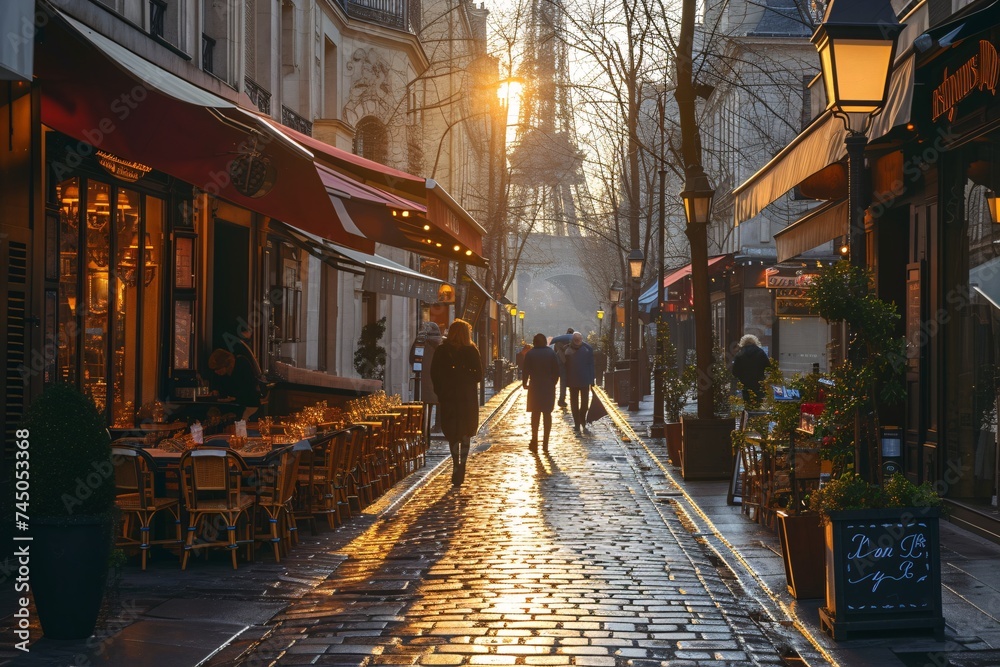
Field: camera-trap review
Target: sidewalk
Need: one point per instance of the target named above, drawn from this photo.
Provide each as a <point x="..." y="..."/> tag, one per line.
<point x="970" y="586"/>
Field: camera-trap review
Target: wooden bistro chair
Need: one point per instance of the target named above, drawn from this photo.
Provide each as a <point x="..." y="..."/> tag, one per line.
<point x="137" y="500"/>
<point x="211" y="483"/>
<point x="277" y="479"/>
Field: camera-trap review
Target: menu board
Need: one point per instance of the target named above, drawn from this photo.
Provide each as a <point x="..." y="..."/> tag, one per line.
<point x="889" y="566"/>
<point x="475" y="299"/>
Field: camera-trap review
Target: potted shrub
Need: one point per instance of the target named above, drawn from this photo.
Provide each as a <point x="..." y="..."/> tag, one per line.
<point x="369" y="357"/>
<point x="676" y="385"/>
<point x="71" y="509"/>
<point x="882" y="555"/>
<point x="706" y="449"/>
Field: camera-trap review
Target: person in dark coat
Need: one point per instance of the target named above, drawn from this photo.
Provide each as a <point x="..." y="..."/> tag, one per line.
<point x="541" y="372"/>
<point x="233" y="379"/>
<point x="456" y="371"/>
<point x="580" y="372"/>
<point x="749" y="366"/>
<point x="560" y="343"/>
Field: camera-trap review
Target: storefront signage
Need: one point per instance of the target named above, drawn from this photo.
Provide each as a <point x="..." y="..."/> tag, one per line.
<point x="981" y="72"/>
<point x="775" y="279"/>
<point x="124" y="170"/>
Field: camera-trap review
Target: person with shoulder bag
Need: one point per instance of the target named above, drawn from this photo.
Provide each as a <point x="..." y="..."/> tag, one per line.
<point x="456" y="372"/>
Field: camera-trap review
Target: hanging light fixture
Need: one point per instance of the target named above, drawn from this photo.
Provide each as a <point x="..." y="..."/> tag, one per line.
<point x="128" y="267"/>
<point x="993" y="204"/>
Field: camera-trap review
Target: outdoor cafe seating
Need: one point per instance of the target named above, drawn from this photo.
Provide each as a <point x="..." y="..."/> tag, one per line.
<point x="236" y="492"/>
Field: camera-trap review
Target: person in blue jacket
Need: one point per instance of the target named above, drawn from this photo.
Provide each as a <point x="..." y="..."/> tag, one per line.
<point x="541" y="371"/>
<point x="580" y="373"/>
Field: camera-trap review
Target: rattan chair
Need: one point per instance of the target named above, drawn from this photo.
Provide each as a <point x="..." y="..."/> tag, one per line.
<point x="137" y="500"/>
<point x="276" y="481"/>
<point x="212" y="486"/>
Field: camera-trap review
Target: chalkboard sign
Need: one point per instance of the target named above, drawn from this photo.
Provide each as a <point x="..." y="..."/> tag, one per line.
<point x="886" y="570"/>
<point x="475" y="299"/>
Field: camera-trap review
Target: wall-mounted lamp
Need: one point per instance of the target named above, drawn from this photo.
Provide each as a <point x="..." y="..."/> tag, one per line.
<point x="993" y="204"/>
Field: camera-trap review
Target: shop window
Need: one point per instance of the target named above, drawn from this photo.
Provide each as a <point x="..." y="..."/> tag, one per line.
<point x="286" y="294"/>
<point x="105" y="311"/>
<point x="371" y="140"/>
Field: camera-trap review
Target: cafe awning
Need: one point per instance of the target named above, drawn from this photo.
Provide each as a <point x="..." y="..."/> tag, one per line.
<point x="110" y="98"/>
<point x="648" y="298"/>
<point x="380" y="274"/>
<point x="437" y="224"/>
<point x="114" y="100"/>
<point x="820" y="225"/>
<point x="820" y="145"/>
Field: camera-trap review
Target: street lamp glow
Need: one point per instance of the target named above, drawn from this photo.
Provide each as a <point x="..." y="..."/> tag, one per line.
<point x="636" y="263"/>
<point x="857" y="45"/>
<point x="615" y="292"/>
<point x="600" y="314"/>
<point x="697" y="195"/>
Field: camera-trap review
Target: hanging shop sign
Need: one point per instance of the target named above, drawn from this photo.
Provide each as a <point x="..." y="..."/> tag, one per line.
<point x="790" y="287"/>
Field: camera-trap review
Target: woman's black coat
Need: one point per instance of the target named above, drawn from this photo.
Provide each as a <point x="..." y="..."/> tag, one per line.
<point x="541" y="372"/>
<point x="456" y="372"/>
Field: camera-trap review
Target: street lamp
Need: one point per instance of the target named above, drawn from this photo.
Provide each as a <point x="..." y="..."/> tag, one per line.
<point x="697" y="197"/>
<point x="521" y="316"/>
<point x="636" y="263"/>
<point x="857" y="45"/>
<point x="614" y="296"/>
<point x="658" y="429"/>
<point x="600" y="323"/>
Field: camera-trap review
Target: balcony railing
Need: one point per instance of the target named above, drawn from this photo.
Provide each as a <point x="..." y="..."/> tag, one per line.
<point x="295" y="121"/>
<point x="389" y="13"/>
<point x="260" y="97"/>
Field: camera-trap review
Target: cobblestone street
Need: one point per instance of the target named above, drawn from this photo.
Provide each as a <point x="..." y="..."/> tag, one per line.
<point x="570" y="557"/>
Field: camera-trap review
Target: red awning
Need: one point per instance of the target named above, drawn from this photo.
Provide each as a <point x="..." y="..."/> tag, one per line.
<point x="114" y="100"/>
<point x="438" y="213"/>
<point x="715" y="264"/>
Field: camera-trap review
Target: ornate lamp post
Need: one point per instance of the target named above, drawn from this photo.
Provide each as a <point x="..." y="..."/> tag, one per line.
<point x="600" y="323"/>
<point x="614" y="296"/>
<point x="636" y="263"/>
<point x="521" y="316"/>
<point x="697" y="197"/>
<point x="857" y="46"/>
<point x="658" y="428"/>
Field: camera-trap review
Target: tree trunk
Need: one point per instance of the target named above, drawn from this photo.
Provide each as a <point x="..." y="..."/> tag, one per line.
<point x="697" y="234"/>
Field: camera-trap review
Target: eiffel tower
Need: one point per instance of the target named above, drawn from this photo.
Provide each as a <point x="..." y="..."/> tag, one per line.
<point x="548" y="192"/>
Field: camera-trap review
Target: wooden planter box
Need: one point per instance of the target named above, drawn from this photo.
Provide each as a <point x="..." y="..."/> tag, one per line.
<point x="707" y="448"/>
<point x="802" y="542"/>
<point x="673" y="434"/>
<point x="883" y="572"/>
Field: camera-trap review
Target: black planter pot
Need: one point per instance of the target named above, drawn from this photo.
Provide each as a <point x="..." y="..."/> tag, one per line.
<point x="707" y="447"/>
<point x="883" y="572"/>
<point x="69" y="569"/>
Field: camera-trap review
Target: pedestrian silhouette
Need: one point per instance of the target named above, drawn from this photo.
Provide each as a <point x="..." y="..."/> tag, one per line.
<point x="456" y="372"/>
<point x="541" y="371"/>
<point x="580" y="374"/>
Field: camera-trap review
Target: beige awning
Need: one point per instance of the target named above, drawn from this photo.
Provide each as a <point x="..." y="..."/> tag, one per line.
<point x="820" y="225"/>
<point x="820" y="145"/>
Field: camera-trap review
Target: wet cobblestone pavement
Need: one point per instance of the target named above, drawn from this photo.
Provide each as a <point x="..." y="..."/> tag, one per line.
<point x="568" y="557"/>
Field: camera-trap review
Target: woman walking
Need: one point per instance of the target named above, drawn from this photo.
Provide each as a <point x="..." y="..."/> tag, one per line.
<point x="456" y="371"/>
<point x="541" y="372"/>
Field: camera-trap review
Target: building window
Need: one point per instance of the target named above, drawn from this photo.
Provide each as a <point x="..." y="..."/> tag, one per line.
<point x="157" y="14"/>
<point x="330" y="68"/>
<point x="217" y="41"/>
<point x="371" y="140"/>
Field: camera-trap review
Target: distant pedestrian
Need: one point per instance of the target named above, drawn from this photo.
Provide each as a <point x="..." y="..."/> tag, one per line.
<point x="541" y="371"/>
<point x="456" y="372"/>
<point x="521" y="354"/>
<point x="432" y="340"/>
<point x="560" y="343"/>
<point x="749" y="366"/>
<point x="580" y="374"/>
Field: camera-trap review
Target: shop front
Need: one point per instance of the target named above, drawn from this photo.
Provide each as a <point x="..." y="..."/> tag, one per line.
<point x="952" y="275"/>
<point x="140" y="232"/>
